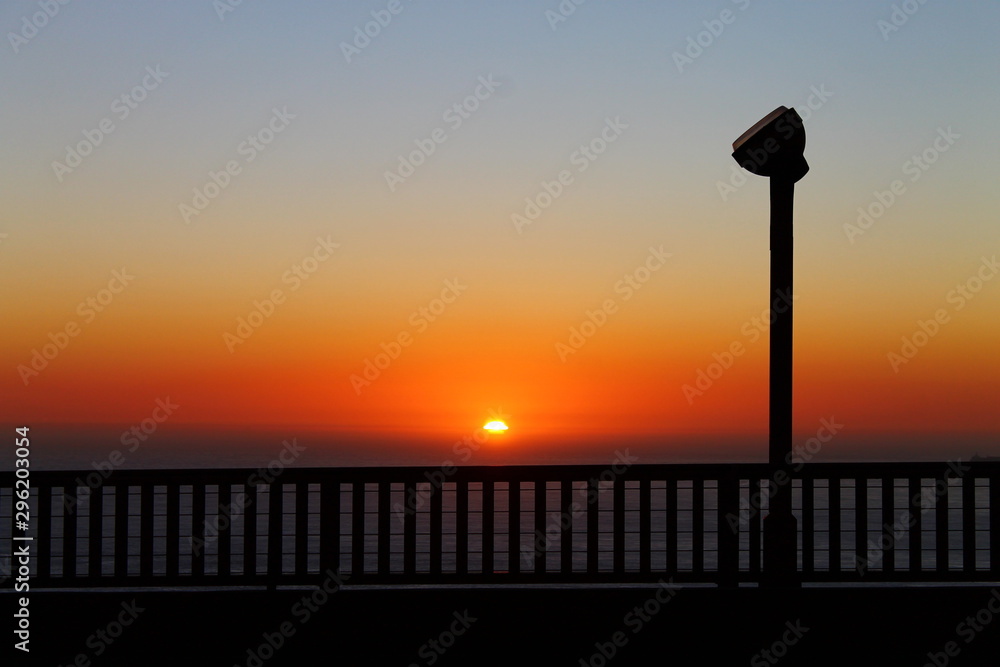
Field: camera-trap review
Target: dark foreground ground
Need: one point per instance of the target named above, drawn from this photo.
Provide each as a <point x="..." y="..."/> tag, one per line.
<point x="514" y="627"/>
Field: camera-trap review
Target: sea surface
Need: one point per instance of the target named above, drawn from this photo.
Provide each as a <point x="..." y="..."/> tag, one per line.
<point x="169" y="446"/>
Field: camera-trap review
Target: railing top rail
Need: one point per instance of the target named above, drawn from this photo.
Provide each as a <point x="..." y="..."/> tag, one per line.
<point x="538" y="473"/>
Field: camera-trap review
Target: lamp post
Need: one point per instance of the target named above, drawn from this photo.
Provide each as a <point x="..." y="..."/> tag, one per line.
<point x="774" y="148"/>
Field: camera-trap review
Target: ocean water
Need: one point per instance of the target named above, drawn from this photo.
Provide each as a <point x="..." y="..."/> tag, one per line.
<point x="170" y="446"/>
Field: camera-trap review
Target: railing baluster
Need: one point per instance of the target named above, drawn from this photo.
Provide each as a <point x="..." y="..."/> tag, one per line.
<point x="916" y="524"/>
<point x="358" y="529"/>
<point x="275" y="509"/>
<point x="514" y="527"/>
<point x="173" y="528"/>
<point x="888" y="524"/>
<point x="593" y="527"/>
<point x="250" y="531"/>
<point x="756" y="503"/>
<point x="95" y="539"/>
<point x="70" y="502"/>
<point x="225" y="529"/>
<point x="437" y="493"/>
<point x="384" y="524"/>
<point x="618" y="525"/>
<point x="539" y="540"/>
<point x="488" y="521"/>
<point x="860" y="520"/>
<point x="146" y="527"/>
<point x="198" y="532"/>
<point x="969" y="523"/>
<point x="698" y="525"/>
<point x="834" y="501"/>
<point x="329" y="527"/>
<point x="410" y="529"/>
<point x="808" y="526"/>
<point x="645" y="527"/>
<point x="995" y="524"/>
<point x="672" y="542"/>
<point x="462" y="527"/>
<point x="121" y="530"/>
<point x="566" y="519"/>
<point x="941" y="524"/>
<point x="302" y="527"/>
<point x="728" y="530"/>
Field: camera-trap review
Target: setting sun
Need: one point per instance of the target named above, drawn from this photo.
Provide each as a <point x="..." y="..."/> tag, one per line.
<point x="495" y="426"/>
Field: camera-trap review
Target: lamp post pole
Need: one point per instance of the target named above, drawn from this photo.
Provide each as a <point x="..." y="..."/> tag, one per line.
<point x="774" y="148"/>
<point x="780" y="417"/>
<point x="780" y="530"/>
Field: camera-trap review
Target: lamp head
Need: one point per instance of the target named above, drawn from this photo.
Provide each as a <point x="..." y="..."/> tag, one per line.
<point x="774" y="146"/>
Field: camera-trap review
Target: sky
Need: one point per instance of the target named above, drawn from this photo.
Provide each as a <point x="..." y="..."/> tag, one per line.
<point x="392" y="221"/>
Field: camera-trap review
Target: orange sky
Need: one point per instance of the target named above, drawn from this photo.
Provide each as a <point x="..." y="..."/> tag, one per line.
<point x="643" y="230"/>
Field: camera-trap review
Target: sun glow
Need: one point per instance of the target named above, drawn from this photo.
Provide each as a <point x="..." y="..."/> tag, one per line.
<point x="495" y="426"/>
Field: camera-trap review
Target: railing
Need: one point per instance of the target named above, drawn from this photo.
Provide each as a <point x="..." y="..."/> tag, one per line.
<point x="877" y="522"/>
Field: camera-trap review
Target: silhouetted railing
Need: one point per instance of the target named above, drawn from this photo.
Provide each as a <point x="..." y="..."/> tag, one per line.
<point x="625" y="523"/>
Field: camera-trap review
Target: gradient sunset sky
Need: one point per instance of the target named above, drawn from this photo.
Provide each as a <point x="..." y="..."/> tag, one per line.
<point x="653" y="224"/>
